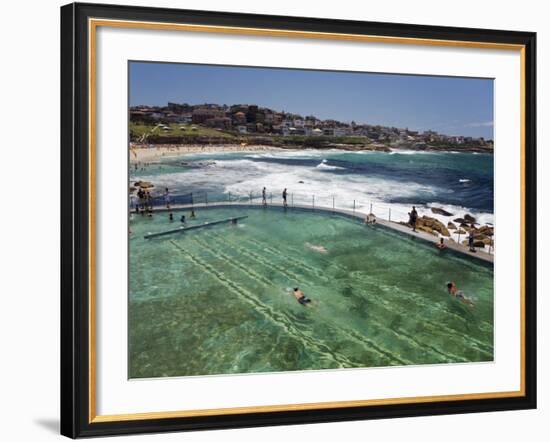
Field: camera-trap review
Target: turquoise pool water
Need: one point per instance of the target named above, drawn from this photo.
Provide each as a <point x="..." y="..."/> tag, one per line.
<point x="218" y="301"/>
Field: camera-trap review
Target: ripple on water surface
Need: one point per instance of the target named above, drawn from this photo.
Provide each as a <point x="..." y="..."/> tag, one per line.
<point x="218" y="300"/>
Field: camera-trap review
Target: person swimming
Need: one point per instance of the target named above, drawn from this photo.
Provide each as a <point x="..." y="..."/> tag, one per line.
<point x="320" y="249"/>
<point x="452" y="289"/>
<point x="300" y="297"/>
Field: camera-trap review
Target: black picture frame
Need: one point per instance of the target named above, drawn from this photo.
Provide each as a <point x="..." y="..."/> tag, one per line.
<point x="75" y="221"/>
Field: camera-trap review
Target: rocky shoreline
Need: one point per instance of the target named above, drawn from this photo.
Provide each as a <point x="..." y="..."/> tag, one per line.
<point x="483" y="234"/>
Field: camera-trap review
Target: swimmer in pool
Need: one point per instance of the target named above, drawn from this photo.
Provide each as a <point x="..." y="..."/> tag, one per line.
<point x="458" y="294"/>
<point x="320" y="249"/>
<point x="300" y="297"/>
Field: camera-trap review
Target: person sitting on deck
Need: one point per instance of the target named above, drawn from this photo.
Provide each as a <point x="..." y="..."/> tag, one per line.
<point x="182" y="219"/>
<point x="441" y="245"/>
<point x="459" y="294"/>
<point x="192" y="213"/>
<point x="299" y="295"/>
<point x="171" y="217"/>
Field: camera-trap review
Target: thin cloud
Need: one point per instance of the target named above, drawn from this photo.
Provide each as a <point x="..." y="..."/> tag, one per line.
<point x="480" y="124"/>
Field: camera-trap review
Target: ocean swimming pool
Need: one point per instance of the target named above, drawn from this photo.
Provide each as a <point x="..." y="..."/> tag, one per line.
<point x="218" y="300"/>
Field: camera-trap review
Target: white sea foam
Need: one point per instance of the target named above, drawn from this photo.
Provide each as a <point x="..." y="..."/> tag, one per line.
<point x="306" y="183"/>
<point x="296" y="154"/>
<point x="411" y="152"/>
<point x="323" y="165"/>
<point x="303" y="182"/>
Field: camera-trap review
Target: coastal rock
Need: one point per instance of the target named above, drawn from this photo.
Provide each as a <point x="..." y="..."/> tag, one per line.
<point x="426" y="221"/>
<point x="461" y="232"/>
<point x="469" y="218"/>
<point x="459" y="220"/>
<point x="486" y="230"/>
<point x="376" y="147"/>
<point x="440" y="211"/>
<point x="434" y="225"/>
<point x="144" y="184"/>
<point x="479" y="244"/>
<point x="426" y="229"/>
<point x="451" y="226"/>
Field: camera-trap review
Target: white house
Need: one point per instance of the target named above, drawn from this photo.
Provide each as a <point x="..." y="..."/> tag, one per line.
<point x="317" y="132"/>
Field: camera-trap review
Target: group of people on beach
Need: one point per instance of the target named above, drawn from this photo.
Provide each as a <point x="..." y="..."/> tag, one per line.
<point x="141" y="166"/>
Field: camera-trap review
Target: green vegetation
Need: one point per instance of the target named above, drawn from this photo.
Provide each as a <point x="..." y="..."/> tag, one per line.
<point x="176" y="130"/>
<point x="195" y="133"/>
<point x="320" y="139"/>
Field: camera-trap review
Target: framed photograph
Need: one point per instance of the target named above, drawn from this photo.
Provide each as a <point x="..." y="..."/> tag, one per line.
<point x="274" y="220"/>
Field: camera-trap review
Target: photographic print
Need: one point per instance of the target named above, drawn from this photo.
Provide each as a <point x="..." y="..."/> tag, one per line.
<point x="291" y="219"/>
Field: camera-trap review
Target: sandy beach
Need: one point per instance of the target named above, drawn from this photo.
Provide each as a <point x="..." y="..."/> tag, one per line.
<point x="140" y="154"/>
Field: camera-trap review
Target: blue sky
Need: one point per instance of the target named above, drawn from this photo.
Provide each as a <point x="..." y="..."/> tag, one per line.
<point x="449" y="105"/>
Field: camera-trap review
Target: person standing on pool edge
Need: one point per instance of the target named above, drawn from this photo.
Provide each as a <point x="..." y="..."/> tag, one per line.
<point x="264" y="200"/>
<point x="413" y="217"/>
<point x="471" y="237"/>
<point x="284" y="197"/>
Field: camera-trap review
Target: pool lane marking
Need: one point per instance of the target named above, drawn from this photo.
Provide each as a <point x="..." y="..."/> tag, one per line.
<point x="258" y="258"/>
<point x="269" y="313"/>
<point x="445" y="309"/>
<point x="417" y="298"/>
<point x="402" y="335"/>
<point x="357" y="337"/>
<point x="352" y="334"/>
<point x="231" y="261"/>
<point x="298" y="251"/>
<point x="447" y="355"/>
<point x="480" y="346"/>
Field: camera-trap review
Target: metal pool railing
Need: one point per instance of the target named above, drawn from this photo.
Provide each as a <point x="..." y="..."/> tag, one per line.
<point x="294" y="199"/>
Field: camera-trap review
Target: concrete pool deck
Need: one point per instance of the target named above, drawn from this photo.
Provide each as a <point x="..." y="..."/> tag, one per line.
<point x="355" y="215"/>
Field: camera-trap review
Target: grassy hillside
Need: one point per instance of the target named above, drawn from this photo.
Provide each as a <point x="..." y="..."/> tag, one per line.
<point x="177" y="130"/>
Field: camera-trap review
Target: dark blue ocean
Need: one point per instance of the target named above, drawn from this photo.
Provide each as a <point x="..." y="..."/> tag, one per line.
<point x="458" y="182"/>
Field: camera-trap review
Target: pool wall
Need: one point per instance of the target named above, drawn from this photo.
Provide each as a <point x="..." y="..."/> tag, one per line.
<point x="452" y="247"/>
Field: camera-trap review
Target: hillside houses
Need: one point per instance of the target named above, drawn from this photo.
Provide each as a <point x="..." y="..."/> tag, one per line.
<point x="241" y="119"/>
